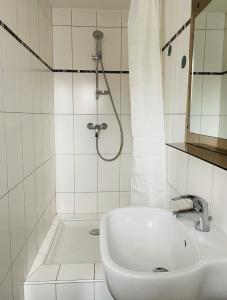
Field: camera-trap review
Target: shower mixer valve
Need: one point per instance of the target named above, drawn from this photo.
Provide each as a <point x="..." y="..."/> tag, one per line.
<point x="97" y="128"/>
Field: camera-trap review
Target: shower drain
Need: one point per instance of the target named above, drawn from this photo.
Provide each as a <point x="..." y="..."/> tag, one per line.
<point x="160" y="270"/>
<point x="94" y="231"/>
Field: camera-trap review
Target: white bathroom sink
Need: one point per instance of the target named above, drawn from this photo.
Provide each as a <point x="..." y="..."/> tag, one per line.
<point x="148" y="254"/>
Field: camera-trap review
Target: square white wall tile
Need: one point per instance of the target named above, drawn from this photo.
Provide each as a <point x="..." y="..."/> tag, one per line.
<point x="62" y="47"/>
<point x="108" y="18"/>
<point x="168" y="120"/>
<point x="64" y="142"/>
<point x="99" y="273"/>
<point x="215" y="20"/>
<point x="36" y="85"/>
<point x="169" y="77"/>
<point x="45" y="273"/>
<point x="63" y="94"/>
<point x="38" y="139"/>
<point x="86" y="173"/>
<point x="124" y="51"/>
<point x="181" y="84"/>
<point x="9" y="13"/>
<point x="61" y="16"/>
<point x="76" y="272"/>
<point x="17" y="220"/>
<point x="126" y="124"/>
<point x="104" y="103"/>
<point x="112" y="44"/>
<point x="28" y="143"/>
<point x="4" y="237"/>
<point x="84" y="138"/>
<point x="65" y="203"/>
<point x="200" y="175"/>
<point x="108" y="201"/>
<point x="179" y="170"/>
<point x="109" y="141"/>
<point x="85" y="202"/>
<point x="84" y="94"/>
<point x="40" y="231"/>
<point x="179" y="128"/>
<point x="125" y="199"/>
<point x="102" y="291"/>
<point x="14" y="148"/>
<point x="72" y="291"/>
<point x="108" y="175"/>
<point x="125" y="172"/>
<point x="30" y="203"/>
<point x="84" y="17"/>
<point x="124" y="18"/>
<point x="10" y="64"/>
<point x="83" y="48"/>
<point x="125" y="95"/>
<point x="39" y="184"/>
<point x="6" y="288"/>
<point x="39" y="291"/>
<point x="197" y="94"/>
<point x="214" y="50"/>
<point x="32" y="250"/>
<point x="211" y="95"/>
<point x="210" y="125"/>
<point x="3" y="165"/>
<point x="19" y="271"/>
<point x="64" y="173"/>
<point x="219" y="206"/>
<point x="199" y="48"/>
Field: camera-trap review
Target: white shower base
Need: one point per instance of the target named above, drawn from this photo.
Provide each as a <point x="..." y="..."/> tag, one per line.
<point x="68" y="264"/>
<point x="74" y="244"/>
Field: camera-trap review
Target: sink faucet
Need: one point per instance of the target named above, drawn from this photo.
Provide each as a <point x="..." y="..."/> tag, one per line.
<point x="199" y="212"/>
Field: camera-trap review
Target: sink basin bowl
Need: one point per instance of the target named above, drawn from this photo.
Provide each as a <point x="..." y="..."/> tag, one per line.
<point x="149" y="254"/>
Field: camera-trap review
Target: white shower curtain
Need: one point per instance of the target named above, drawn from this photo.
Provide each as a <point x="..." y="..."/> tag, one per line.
<point x="148" y="165"/>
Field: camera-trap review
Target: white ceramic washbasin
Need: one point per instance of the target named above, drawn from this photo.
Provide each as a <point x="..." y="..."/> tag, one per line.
<point x="137" y="242"/>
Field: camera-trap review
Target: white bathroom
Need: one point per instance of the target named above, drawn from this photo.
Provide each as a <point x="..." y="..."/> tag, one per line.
<point x="113" y="149"/>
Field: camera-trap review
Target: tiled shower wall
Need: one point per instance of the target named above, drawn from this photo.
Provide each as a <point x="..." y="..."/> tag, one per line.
<point x="85" y="183"/>
<point x="27" y="163"/>
<point x="186" y="173"/>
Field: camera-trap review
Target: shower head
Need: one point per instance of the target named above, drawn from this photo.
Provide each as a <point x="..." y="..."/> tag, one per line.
<point x="98" y="35"/>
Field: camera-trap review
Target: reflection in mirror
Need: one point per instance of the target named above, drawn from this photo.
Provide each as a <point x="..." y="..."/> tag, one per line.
<point x="208" y="112"/>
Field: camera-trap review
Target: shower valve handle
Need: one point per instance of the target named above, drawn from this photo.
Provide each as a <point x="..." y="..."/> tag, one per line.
<point x="97" y="128"/>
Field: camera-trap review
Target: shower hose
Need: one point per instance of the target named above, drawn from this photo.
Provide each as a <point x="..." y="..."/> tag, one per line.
<point x="115" y="112"/>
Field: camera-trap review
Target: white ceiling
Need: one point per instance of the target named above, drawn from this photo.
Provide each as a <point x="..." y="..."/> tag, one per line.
<point x="92" y="4"/>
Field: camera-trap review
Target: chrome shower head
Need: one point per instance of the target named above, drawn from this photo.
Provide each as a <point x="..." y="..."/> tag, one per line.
<point x="98" y="35"/>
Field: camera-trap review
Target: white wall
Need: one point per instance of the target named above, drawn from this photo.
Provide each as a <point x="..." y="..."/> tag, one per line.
<point x="86" y="184"/>
<point x="27" y="162"/>
<point x="185" y="173"/>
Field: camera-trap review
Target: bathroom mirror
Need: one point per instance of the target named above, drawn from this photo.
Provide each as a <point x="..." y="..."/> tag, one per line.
<point x="207" y="105"/>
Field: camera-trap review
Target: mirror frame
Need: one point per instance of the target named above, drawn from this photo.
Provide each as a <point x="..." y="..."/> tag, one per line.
<point x="214" y="144"/>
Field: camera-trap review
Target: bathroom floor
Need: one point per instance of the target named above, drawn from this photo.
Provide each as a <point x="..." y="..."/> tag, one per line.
<point x="74" y="243"/>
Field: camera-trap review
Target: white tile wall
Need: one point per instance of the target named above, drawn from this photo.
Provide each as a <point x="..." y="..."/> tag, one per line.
<point x="185" y="173"/>
<point x="73" y="291"/>
<point x="83" y="180"/>
<point x="26" y="141"/>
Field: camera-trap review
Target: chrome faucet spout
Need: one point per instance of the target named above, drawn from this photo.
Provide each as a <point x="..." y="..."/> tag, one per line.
<point x="199" y="212"/>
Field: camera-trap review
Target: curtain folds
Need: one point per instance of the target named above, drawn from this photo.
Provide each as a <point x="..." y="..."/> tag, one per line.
<point x="147" y="117"/>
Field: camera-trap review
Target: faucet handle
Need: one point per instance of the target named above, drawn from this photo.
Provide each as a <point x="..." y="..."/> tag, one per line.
<point x="198" y="203"/>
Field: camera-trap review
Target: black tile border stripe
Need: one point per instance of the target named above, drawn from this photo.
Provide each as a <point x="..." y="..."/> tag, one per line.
<point x="3" y="25"/>
<point x="176" y="35"/>
<point x="24" y="44"/>
<point x="87" y="71"/>
<point x="210" y="73"/>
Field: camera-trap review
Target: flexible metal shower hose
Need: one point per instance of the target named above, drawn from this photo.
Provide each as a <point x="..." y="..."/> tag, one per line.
<point x="116" y="114"/>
